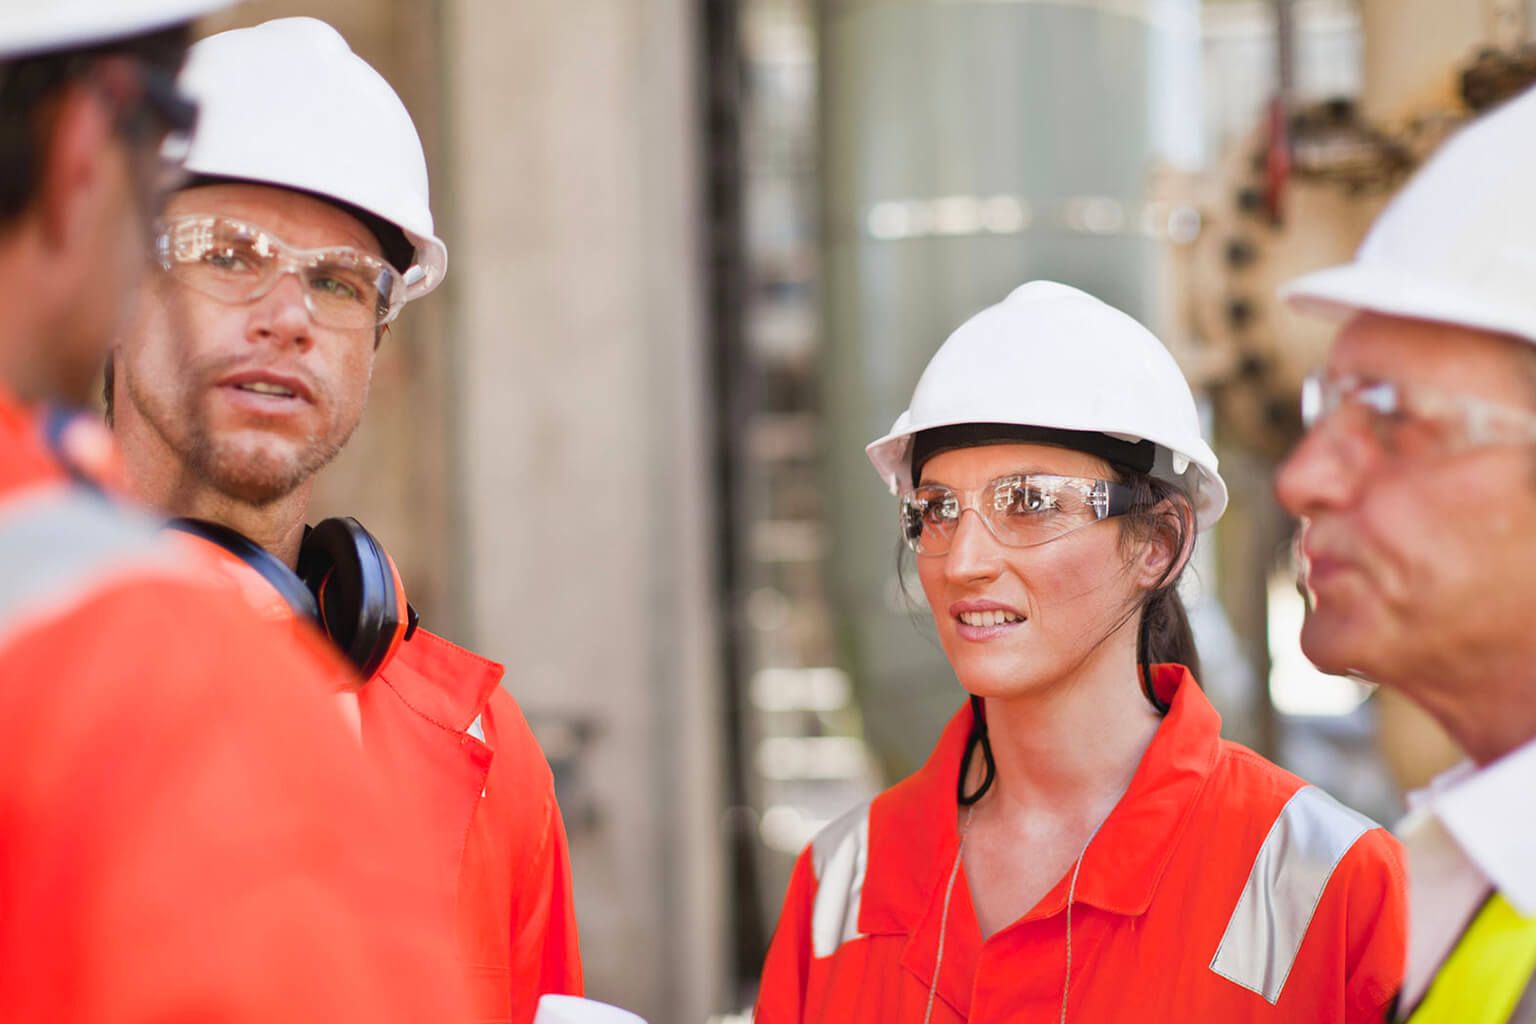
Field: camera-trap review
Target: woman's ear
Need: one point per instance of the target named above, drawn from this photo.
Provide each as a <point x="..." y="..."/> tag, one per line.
<point x="1168" y="546"/>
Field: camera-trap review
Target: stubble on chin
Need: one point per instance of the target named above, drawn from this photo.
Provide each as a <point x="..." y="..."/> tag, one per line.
<point x="256" y="472"/>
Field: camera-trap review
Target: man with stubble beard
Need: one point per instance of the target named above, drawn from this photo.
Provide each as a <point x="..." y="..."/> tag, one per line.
<point x="303" y="230"/>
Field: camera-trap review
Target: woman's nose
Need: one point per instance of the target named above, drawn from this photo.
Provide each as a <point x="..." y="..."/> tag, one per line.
<point x="973" y="551"/>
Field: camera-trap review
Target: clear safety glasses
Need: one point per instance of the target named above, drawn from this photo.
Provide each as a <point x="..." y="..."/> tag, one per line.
<point x="236" y="263"/>
<point x="1406" y="421"/>
<point x="1021" y="511"/>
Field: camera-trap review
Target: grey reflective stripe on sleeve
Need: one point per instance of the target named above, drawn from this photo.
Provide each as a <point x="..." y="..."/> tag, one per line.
<point x="1525" y="1009"/>
<point x="840" y="857"/>
<point x="1304" y="846"/>
<point x="55" y="541"/>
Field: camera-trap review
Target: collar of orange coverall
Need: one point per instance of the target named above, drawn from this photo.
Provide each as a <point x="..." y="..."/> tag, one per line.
<point x="442" y="681"/>
<point x="914" y="832"/>
<point x="914" y="838"/>
<point x="44" y="444"/>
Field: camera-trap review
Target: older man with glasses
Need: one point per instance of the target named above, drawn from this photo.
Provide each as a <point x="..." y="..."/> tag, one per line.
<point x="1416" y="488"/>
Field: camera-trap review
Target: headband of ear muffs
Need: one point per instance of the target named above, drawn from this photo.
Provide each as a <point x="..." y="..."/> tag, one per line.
<point x="346" y="584"/>
<point x="267" y="565"/>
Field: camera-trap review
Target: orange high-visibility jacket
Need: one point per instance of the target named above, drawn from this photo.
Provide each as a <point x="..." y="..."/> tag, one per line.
<point x="1221" y="888"/>
<point x="464" y="762"/>
<point x="185" y="831"/>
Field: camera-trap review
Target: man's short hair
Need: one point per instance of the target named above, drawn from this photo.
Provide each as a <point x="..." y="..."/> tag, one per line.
<point x="28" y="84"/>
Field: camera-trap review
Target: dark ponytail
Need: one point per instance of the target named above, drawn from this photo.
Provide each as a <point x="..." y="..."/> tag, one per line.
<point x="1163" y="634"/>
<point x="1169" y="637"/>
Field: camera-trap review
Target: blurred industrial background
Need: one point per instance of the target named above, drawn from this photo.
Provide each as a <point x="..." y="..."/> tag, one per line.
<point x="699" y="251"/>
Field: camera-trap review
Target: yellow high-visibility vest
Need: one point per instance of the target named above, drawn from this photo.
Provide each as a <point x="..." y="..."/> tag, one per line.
<point x="1490" y="975"/>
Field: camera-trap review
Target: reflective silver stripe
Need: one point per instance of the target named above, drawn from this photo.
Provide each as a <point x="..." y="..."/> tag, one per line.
<point x="840" y="857"/>
<point x="57" y="541"/>
<point x="1304" y="846"/>
<point x="1525" y="1009"/>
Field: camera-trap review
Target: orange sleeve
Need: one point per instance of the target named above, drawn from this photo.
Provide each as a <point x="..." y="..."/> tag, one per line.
<point x="786" y="970"/>
<point x="189" y="832"/>
<point x="551" y="922"/>
<point x="545" y="955"/>
<point x="1377" y="938"/>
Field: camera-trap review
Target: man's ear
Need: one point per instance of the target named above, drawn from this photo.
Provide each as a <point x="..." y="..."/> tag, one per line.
<point x="75" y="155"/>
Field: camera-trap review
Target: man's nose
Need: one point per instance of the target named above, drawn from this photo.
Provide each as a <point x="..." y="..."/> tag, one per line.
<point x="1321" y="471"/>
<point x="282" y="314"/>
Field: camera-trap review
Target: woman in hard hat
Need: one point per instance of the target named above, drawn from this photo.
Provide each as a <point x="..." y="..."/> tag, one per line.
<point x="1081" y="844"/>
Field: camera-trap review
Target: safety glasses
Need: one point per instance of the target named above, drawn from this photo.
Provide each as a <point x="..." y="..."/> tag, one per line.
<point x="158" y="108"/>
<point x="1022" y="510"/>
<point x="236" y="263"/>
<point x="1407" y="421"/>
<point x="150" y="113"/>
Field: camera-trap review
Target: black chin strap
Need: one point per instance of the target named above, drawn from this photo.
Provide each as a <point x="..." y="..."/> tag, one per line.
<point x="978" y="737"/>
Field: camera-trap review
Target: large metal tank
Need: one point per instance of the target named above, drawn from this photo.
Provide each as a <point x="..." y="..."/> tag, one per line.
<point x="968" y="147"/>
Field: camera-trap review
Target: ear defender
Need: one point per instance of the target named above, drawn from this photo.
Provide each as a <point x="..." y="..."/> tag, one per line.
<point x="346" y="584"/>
<point x="360" y="595"/>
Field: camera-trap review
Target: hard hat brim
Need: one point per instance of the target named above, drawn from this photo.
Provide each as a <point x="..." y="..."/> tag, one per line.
<point x="25" y="31"/>
<point x="1340" y="292"/>
<point x="432" y="258"/>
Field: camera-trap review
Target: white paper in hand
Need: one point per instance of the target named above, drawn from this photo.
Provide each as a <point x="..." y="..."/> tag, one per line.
<point x="574" y="1010"/>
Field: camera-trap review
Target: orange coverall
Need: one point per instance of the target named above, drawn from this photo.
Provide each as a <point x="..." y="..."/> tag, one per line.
<point x="463" y="761"/>
<point x="186" y="833"/>
<point x="1220" y="888"/>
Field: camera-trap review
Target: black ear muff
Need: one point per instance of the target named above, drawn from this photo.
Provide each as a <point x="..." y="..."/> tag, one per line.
<point x="269" y="566"/>
<point x="360" y="596"/>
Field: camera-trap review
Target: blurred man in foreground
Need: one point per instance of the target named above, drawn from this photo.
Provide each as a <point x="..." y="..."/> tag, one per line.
<point x="1416" y="485"/>
<point x="302" y="231"/>
<point x="181" y="835"/>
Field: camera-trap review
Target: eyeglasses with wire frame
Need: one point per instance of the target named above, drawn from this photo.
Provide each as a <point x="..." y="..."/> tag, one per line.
<point x="1405" y="420"/>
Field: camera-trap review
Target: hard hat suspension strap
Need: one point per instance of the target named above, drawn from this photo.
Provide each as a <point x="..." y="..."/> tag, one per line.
<point x="1136" y="456"/>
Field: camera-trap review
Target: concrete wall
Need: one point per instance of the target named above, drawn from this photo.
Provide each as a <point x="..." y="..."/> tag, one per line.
<point x="572" y="141"/>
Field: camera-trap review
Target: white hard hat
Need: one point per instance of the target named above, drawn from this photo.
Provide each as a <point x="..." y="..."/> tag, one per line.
<point x="33" y="28"/>
<point x="1052" y="356"/>
<point x="288" y="103"/>
<point x="1458" y="244"/>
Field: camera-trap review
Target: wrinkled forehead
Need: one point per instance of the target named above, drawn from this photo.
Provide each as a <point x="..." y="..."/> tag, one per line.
<point x="298" y="218"/>
<point x="1446" y="357"/>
